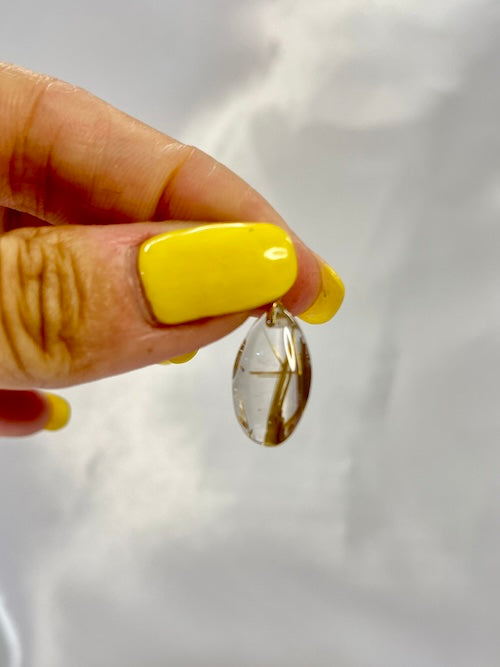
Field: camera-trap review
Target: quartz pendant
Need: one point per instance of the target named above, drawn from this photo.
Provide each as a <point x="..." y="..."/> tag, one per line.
<point x="271" y="377"/>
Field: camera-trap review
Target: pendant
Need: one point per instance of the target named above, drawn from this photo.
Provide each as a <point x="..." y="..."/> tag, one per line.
<point x="271" y="377"/>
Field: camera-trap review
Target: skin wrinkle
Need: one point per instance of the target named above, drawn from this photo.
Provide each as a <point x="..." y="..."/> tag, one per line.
<point x="43" y="196"/>
<point x="58" y="302"/>
<point x="29" y="294"/>
<point x="77" y="286"/>
<point x="19" y="158"/>
<point x="27" y="318"/>
<point x="42" y="279"/>
<point x="41" y="178"/>
<point x="8" y="335"/>
<point x="11" y="168"/>
<point x="51" y="317"/>
<point x="72" y="296"/>
<point x="163" y="209"/>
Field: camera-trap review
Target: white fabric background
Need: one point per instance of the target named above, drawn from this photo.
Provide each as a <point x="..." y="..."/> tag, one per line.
<point x="151" y="532"/>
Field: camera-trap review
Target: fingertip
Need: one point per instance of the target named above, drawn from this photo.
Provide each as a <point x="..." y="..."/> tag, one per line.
<point x="329" y="298"/>
<point x="59" y="412"/>
<point x="308" y="283"/>
<point x="180" y="359"/>
<point x="22" y="412"/>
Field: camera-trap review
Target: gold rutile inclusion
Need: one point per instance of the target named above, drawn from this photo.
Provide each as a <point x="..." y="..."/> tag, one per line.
<point x="272" y="377"/>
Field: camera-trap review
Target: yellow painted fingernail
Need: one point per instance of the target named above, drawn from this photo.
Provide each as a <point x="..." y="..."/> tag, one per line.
<point x="215" y="269"/>
<point x="328" y="300"/>
<point x="181" y="359"/>
<point x="60" y="412"/>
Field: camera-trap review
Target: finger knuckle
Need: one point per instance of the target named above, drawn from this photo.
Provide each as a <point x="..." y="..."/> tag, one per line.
<point x="42" y="305"/>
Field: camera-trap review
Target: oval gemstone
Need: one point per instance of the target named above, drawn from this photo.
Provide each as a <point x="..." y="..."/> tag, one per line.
<point x="271" y="378"/>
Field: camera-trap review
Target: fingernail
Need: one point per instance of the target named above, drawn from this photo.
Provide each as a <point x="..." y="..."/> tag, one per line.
<point x="215" y="269"/>
<point x="60" y="412"/>
<point x="329" y="298"/>
<point x="181" y="359"/>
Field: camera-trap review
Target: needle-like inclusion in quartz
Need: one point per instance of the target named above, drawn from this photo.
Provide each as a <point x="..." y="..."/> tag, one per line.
<point x="271" y="377"/>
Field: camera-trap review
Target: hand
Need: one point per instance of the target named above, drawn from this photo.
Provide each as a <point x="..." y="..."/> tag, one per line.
<point x="87" y="289"/>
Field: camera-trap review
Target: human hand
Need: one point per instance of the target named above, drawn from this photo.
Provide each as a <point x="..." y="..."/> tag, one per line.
<point x="84" y="294"/>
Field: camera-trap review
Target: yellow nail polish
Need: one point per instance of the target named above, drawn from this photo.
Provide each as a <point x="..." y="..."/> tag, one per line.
<point x="328" y="300"/>
<point x="181" y="359"/>
<point x="60" y="412"/>
<point x="215" y="269"/>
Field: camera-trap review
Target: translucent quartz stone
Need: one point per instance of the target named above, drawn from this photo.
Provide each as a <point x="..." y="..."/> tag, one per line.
<point x="271" y="378"/>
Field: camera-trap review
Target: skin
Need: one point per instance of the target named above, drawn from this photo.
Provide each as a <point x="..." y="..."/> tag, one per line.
<point x="82" y="185"/>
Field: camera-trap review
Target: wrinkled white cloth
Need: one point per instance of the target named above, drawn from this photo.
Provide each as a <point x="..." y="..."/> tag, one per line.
<point x="150" y="531"/>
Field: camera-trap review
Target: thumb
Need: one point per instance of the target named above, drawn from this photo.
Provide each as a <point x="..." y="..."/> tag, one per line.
<point x="78" y="303"/>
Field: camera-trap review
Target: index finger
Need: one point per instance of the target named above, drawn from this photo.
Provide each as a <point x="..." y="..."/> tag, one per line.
<point x="67" y="157"/>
